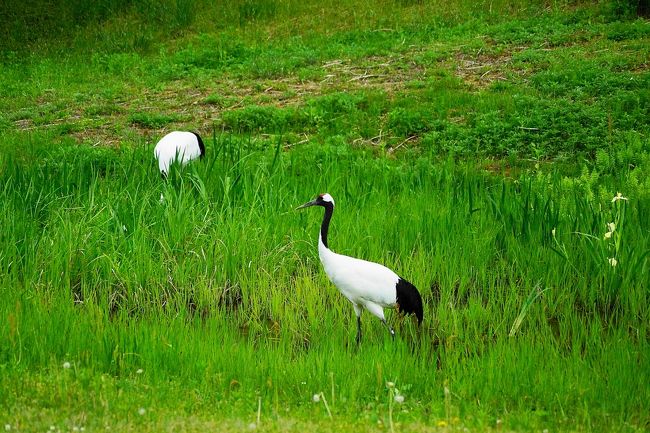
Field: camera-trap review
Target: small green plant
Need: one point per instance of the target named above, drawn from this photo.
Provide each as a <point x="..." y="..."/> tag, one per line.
<point x="394" y="397"/>
<point x="317" y="398"/>
<point x="152" y="120"/>
<point x="219" y="100"/>
<point x="613" y="236"/>
<point x="535" y="293"/>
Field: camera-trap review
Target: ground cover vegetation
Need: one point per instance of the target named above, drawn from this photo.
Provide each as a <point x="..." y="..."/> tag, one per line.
<point x="495" y="153"/>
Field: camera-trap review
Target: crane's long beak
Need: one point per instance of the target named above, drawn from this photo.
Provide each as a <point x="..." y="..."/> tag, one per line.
<point x="310" y="203"/>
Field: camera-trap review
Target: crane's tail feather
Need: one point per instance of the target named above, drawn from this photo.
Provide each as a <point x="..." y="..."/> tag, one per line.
<point x="200" y="143"/>
<point x="409" y="300"/>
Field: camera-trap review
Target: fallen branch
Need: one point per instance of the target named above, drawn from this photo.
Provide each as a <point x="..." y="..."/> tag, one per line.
<point x="393" y="149"/>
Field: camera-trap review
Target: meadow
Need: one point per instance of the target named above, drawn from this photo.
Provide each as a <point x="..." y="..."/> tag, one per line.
<point x="496" y="154"/>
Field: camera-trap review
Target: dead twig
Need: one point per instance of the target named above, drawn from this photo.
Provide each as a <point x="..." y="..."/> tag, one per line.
<point x="364" y="76"/>
<point x="332" y="63"/>
<point x="393" y="149"/>
<point x="485" y="73"/>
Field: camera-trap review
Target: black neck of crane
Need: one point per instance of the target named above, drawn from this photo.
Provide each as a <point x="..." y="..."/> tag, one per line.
<point x="329" y="210"/>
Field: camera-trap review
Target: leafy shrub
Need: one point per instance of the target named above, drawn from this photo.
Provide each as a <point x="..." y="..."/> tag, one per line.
<point x="619" y="31"/>
<point x="357" y="113"/>
<point x="212" y="52"/>
<point x="263" y="118"/>
<point x="626" y="9"/>
<point x="407" y="122"/>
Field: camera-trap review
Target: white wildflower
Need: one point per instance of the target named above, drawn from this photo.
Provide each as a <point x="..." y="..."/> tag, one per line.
<point x="613" y="262"/>
<point x="608" y="235"/>
<point x="553" y="232"/>
<point x="139" y="371"/>
<point x="611" y="227"/>
<point x="142" y="411"/>
<point x="7" y="427"/>
<point x="399" y="398"/>
<point x="66" y="365"/>
<point x="390" y="384"/>
<point x="618" y="197"/>
<point x="316" y="398"/>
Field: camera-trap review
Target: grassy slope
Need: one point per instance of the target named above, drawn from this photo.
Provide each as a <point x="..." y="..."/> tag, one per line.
<point x="541" y="86"/>
<point x="359" y="102"/>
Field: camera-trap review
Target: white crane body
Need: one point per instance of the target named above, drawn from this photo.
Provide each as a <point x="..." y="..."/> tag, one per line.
<point x="363" y="283"/>
<point x="180" y="146"/>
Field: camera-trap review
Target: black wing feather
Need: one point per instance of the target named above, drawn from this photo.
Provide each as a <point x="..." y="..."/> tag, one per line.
<point x="409" y="299"/>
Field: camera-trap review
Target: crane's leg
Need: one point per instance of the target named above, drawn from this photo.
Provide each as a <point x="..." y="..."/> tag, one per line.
<point x="358" y="330"/>
<point x="357" y="311"/>
<point x="390" y="329"/>
<point x="378" y="311"/>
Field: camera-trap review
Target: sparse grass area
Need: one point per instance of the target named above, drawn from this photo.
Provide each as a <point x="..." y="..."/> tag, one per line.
<point x="549" y="87"/>
<point x="475" y="148"/>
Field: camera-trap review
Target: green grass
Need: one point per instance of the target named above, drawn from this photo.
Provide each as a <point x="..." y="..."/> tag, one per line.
<point x="474" y="151"/>
<point x="221" y="283"/>
<point x="545" y="88"/>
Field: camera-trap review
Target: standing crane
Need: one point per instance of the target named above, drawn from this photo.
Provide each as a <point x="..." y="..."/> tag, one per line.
<point x="366" y="284"/>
